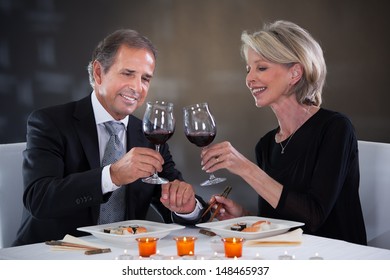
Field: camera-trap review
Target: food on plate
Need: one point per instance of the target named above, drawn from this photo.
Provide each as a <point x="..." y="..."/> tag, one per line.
<point x="236" y="228"/>
<point x="126" y="230"/>
<point x="242" y="225"/>
<point x="255" y="227"/>
<point x="258" y="226"/>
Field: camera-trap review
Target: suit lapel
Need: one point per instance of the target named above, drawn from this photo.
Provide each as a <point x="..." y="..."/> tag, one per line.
<point x="86" y="128"/>
<point x="135" y="136"/>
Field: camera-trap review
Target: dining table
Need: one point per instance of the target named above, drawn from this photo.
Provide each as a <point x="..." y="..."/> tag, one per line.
<point x="206" y="247"/>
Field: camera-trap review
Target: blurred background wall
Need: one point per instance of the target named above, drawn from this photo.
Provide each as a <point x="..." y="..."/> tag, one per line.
<point x="45" y="46"/>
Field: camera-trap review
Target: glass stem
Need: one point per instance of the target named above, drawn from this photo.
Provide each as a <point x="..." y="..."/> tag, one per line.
<point x="158" y="150"/>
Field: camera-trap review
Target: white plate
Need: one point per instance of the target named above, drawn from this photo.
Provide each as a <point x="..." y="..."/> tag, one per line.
<point x="222" y="228"/>
<point x="154" y="229"/>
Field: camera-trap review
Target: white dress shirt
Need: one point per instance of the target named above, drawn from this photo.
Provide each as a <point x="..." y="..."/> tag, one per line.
<point x="102" y="116"/>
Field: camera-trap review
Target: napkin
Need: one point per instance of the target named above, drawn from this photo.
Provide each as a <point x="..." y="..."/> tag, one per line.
<point x="290" y="238"/>
<point x="71" y="239"/>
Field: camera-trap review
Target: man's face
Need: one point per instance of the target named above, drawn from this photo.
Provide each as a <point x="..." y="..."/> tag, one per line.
<point x="125" y="86"/>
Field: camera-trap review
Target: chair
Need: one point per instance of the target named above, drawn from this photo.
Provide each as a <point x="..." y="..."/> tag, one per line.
<point x="374" y="161"/>
<point x="11" y="191"/>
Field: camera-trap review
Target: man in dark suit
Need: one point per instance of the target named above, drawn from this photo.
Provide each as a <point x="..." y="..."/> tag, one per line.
<point x="65" y="184"/>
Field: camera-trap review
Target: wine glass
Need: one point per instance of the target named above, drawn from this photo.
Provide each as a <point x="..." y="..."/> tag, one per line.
<point x="200" y="129"/>
<point x="158" y="125"/>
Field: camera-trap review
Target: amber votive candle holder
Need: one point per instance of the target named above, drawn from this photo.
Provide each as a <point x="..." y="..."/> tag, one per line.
<point x="185" y="245"/>
<point x="147" y="246"/>
<point x="233" y="246"/>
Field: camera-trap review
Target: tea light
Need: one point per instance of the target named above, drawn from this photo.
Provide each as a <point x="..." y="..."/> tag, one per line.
<point x="157" y="256"/>
<point x="316" y="257"/>
<point x="171" y="258"/>
<point x="185" y="245"/>
<point x="124" y="256"/>
<point x="190" y="256"/>
<point x="258" y="257"/>
<point x="147" y="246"/>
<point x="286" y="256"/>
<point x="233" y="246"/>
<point x="215" y="256"/>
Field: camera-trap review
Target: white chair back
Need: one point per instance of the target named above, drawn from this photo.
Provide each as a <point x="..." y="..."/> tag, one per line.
<point x="374" y="161"/>
<point x="11" y="191"/>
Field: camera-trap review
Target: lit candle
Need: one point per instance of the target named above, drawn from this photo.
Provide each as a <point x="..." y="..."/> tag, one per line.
<point x="147" y="246"/>
<point x="258" y="257"/>
<point x="125" y="256"/>
<point x="316" y="257"/>
<point x="185" y="245"/>
<point x="215" y="256"/>
<point x="171" y="258"/>
<point x="157" y="256"/>
<point x="233" y="247"/>
<point x="286" y="256"/>
<point x="190" y="256"/>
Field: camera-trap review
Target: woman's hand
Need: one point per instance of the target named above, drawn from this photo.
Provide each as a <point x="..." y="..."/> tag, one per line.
<point x="224" y="155"/>
<point x="229" y="209"/>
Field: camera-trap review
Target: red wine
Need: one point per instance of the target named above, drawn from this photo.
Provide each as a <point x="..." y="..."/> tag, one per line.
<point x="159" y="137"/>
<point x="201" y="139"/>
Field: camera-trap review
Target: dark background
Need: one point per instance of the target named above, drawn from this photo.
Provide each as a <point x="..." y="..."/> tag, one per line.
<point x="45" y="46"/>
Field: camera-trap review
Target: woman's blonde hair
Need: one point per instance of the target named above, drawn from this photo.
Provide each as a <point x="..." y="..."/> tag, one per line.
<point x="286" y="43"/>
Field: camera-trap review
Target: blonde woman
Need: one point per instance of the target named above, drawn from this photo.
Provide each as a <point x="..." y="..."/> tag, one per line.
<point x="307" y="168"/>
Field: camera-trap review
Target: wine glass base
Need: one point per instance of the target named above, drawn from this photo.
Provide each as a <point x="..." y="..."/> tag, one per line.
<point x="155" y="180"/>
<point x="213" y="181"/>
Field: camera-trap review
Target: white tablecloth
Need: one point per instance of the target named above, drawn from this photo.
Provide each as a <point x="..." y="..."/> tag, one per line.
<point x="329" y="249"/>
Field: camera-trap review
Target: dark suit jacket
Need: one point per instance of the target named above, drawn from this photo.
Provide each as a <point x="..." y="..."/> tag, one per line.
<point x="62" y="174"/>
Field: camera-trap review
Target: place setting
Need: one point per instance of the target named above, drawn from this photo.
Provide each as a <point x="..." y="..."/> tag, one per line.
<point x="225" y="239"/>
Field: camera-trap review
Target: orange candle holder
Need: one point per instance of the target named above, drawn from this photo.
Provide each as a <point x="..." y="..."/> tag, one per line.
<point x="233" y="246"/>
<point x="147" y="246"/>
<point x="185" y="245"/>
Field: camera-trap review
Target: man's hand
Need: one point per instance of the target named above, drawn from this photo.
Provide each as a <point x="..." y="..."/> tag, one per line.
<point x="178" y="197"/>
<point x="135" y="164"/>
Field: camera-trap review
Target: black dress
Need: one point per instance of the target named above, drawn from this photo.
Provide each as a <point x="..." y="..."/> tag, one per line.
<point x="319" y="171"/>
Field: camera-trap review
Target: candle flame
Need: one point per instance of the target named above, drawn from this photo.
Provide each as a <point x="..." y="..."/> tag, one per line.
<point x="184" y="239"/>
<point x="147" y="240"/>
<point x="234" y="240"/>
<point x="191" y="253"/>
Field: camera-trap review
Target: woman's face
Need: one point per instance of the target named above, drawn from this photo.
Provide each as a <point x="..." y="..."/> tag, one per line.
<point x="268" y="82"/>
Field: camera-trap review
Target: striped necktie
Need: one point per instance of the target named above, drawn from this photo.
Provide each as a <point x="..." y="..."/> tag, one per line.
<point x="114" y="209"/>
